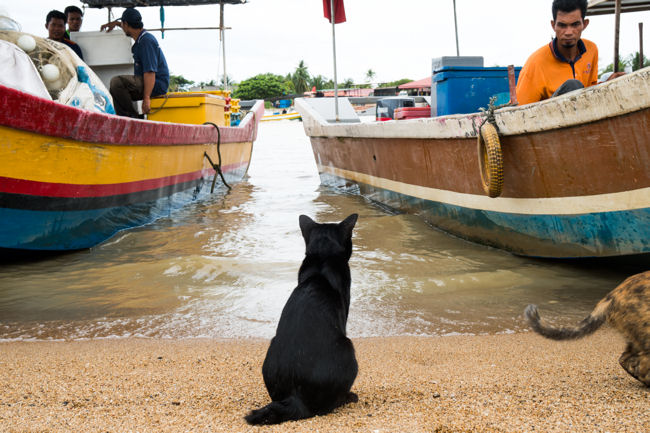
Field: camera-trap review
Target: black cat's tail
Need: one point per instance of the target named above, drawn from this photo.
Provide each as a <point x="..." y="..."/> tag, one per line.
<point x="589" y="325"/>
<point x="276" y="412"/>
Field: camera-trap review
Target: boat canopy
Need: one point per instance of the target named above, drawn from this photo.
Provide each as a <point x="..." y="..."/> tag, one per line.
<point x="605" y="7"/>
<point x="143" y="3"/>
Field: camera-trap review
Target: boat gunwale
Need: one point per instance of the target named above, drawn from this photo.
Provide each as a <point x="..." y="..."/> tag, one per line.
<point x="621" y="96"/>
<point x="58" y="120"/>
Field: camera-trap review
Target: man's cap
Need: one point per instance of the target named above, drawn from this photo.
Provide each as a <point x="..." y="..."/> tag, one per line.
<point x="131" y="16"/>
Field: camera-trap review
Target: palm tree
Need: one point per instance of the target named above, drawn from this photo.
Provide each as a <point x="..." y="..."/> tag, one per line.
<point x="229" y="81"/>
<point x="370" y="75"/>
<point x="204" y="84"/>
<point x="318" y="81"/>
<point x="300" y="78"/>
<point x="348" y="83"/>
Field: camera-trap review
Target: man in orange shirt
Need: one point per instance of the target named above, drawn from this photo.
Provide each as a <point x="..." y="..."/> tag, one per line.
<point x="567" y="63"/>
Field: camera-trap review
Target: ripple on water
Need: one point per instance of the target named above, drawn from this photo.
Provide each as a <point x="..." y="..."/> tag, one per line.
<point x="224" y="267"/>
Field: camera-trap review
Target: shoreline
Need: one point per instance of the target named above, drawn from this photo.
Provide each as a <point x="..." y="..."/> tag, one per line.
<point x="487" y="383"/>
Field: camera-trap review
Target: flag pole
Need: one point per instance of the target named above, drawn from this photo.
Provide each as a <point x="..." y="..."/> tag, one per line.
<point x="456" y="27"/>
<point x="223" y="46"/>
<point x="336" y="85"/>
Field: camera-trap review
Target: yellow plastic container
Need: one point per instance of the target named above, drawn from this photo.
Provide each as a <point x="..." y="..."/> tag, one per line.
<point x="234" y="102"/>
<point x="190" y="107"/>
<point x="234" y="105"/>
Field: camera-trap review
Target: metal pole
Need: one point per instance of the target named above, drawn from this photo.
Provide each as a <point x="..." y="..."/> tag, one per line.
<point x="641" y="63"/>
<point x="617" y="29"/>
<point x="336" y="84"/>
<point x="456" y="27"/>
<point x="169" y="29"/>
<point x="223" y="43"/>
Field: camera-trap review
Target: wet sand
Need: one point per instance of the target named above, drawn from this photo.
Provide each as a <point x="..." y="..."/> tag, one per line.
<point x="497" y="383"/>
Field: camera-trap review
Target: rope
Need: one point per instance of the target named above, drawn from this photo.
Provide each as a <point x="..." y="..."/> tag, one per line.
<point x="161" y="106"/>
<point x="216" y="167"/>
<point x="489" y="112"/>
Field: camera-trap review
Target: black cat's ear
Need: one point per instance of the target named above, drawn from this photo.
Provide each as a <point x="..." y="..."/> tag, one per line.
<point x="306" y="225"/>
<point x="348" y="224"/>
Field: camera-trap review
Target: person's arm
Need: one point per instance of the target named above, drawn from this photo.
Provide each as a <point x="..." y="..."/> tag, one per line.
<point x="149" y="81"/>
<point x="110" y="26"/>
<point x="616" y="75"/>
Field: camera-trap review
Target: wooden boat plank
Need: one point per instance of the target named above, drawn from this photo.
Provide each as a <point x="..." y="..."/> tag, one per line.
<point x="576" y="171"/>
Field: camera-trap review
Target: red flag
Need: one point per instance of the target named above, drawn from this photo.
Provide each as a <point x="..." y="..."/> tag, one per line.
<point x="339" y="11"/>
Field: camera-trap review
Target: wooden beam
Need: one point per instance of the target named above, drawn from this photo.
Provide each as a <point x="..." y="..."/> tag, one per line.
<point x="617" y="30"/>
<point x="641" y="63"/>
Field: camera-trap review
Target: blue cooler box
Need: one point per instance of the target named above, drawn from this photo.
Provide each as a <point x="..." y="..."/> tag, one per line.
<point x="462" y="90"/>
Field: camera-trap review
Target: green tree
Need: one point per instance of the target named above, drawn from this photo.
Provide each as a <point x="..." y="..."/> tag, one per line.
<point x="397" y="83"/>
<point x="289" y="83"/>
<point x="633" y="60"/>
<point x="178" y="83"/>
<point x="347" y="84"/>
<point x="261" y="86"/>
<point x="300" y="78"/>
<point x="210" y="83"/>
<point x="318" y="81"/>
<point x="228" y="81"/>
<point x="370" y="75"/>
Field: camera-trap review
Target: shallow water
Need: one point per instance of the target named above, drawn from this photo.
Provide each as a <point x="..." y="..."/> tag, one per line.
<point x="224" y="267"/>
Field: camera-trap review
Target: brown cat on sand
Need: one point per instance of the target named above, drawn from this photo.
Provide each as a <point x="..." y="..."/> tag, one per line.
<point x="626" y="308"/>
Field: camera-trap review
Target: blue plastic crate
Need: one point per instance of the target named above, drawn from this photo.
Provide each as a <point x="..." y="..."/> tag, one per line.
<point x="461" y="90"/>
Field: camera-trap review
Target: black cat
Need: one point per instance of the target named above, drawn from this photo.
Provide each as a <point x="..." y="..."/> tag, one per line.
<point x="310" y="365"/>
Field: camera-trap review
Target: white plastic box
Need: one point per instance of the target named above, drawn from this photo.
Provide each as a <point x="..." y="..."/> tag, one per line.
<point x="108" y="54"/>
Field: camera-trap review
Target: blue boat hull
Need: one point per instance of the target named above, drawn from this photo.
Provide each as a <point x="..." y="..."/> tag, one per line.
<point x="596" y="234"/>
<point x="78" y="229"/>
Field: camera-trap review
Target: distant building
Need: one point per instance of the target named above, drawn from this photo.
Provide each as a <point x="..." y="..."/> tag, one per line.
<point x="358" y="93"/>
<point x="385" y="91"/>
<point x="417" y="88"/>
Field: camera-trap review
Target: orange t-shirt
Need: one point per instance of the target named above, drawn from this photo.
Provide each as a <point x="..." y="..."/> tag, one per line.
<point x="546" y="70"/>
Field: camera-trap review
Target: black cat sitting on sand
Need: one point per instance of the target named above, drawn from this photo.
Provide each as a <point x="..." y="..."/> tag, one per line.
<point x="310" y="365"/>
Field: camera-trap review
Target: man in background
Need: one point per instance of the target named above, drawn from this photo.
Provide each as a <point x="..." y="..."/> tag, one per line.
<point x="150" y="73"/>
<point x="75" y="18"/>
<point x="567" y="63"/>
<point x="55" y="25"/>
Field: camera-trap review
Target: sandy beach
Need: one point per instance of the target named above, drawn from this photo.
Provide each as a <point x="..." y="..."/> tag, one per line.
<point x="501" y="383"/>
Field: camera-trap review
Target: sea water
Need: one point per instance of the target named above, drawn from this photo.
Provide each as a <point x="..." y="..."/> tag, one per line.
<point x="223" y="267"/>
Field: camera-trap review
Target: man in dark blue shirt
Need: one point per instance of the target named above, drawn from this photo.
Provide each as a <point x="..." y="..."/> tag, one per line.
<point x="150" y="73"/>
<point x="55" y="25"/>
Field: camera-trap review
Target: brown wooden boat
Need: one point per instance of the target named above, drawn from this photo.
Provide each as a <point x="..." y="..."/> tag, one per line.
<point x="575" y="181"/>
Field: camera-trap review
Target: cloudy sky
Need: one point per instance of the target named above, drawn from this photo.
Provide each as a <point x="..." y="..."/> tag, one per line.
<point x="396" y="39"/>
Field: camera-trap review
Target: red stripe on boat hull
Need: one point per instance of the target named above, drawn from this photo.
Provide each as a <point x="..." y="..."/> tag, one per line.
<point x="57" y="120"/>
<point x="47" y="189"/>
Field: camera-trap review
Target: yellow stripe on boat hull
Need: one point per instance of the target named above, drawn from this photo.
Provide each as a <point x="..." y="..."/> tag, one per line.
<point x="41" y="158"/>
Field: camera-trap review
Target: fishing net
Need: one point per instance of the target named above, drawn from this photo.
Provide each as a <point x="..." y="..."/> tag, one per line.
<point x="76" y="85"/>
<point x="48" y="52"/>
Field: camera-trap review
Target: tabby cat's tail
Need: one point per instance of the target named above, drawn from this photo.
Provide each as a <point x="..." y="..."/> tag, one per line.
<point x="276" y="412"/>
<point x="588" y="326"/>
